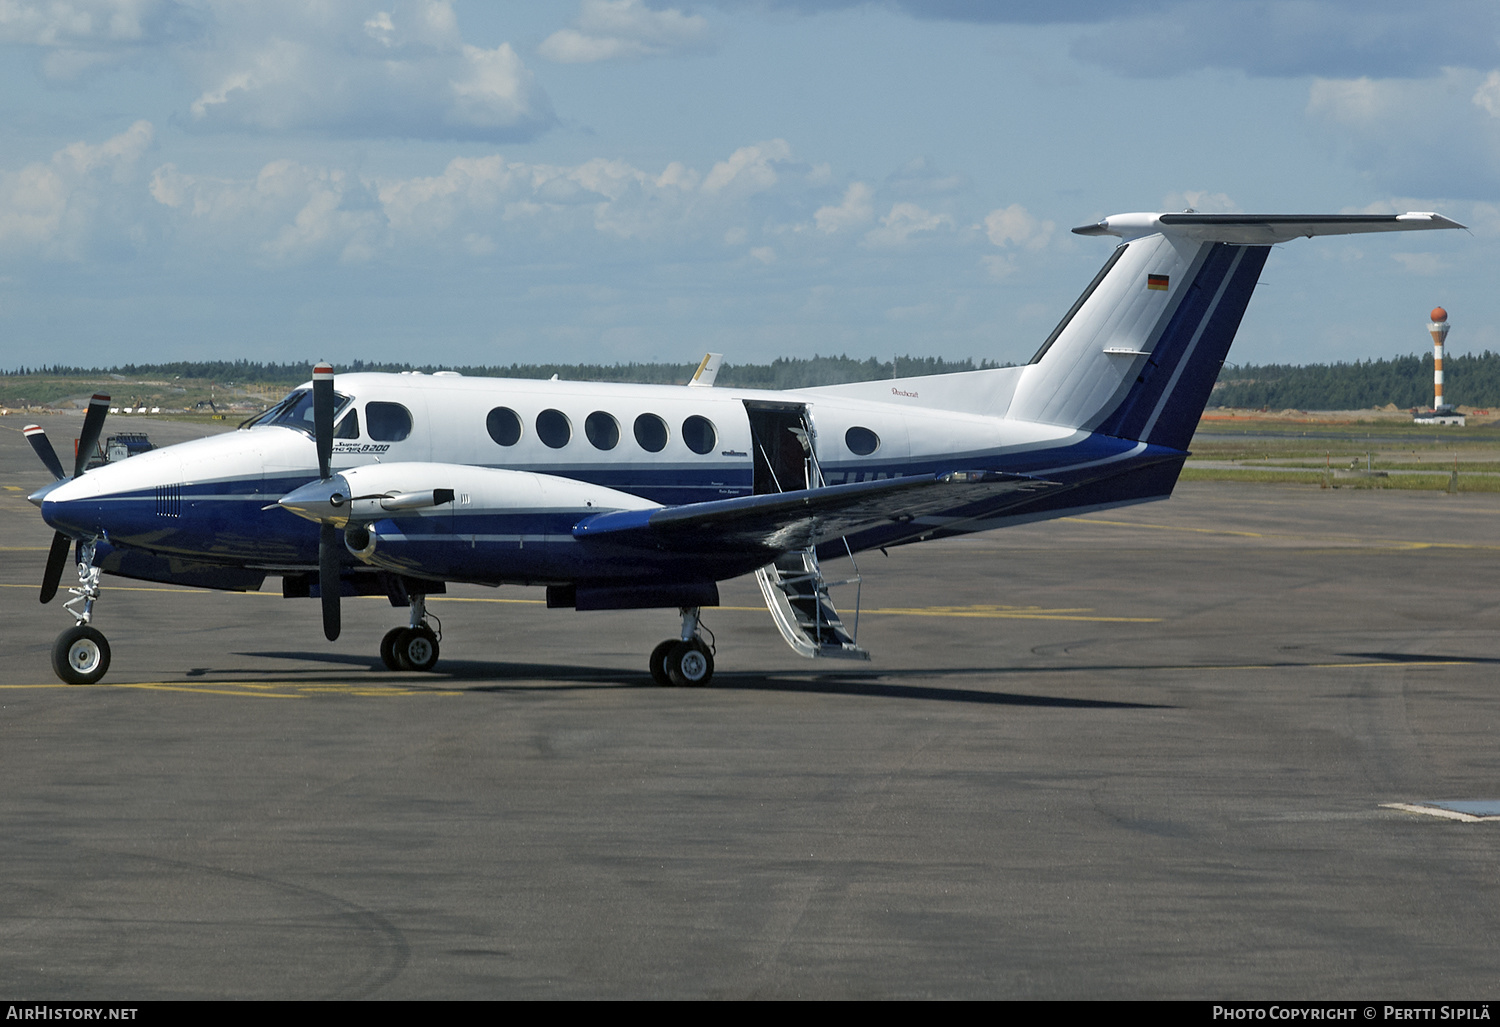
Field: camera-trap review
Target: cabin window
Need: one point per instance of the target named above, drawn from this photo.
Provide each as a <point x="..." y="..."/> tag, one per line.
<point x="700" y="434"/>
<point x="554" y="428"/>
<point x="387" y="422"/>
<point x="504" y="426"/>
<point x="349" y="427"/>
<point x="861" y="441"/>
<point x="651" y="433"/>
<point x="602" y="430"/>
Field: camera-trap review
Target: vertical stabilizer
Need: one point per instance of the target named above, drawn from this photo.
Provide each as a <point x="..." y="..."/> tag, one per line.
<point x="1138" y="354"/>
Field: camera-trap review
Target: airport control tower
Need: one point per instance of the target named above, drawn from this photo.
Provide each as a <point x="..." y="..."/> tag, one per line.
<point x="1441" y="413"/>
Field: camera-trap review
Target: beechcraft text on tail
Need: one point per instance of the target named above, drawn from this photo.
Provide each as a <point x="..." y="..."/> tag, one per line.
<point x="638" y="496"/>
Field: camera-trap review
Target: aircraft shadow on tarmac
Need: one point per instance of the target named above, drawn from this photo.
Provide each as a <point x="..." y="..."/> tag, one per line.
<point x="488" y="676"/>
<point x="492" y="677"/>
<point x="1428" y="658"/>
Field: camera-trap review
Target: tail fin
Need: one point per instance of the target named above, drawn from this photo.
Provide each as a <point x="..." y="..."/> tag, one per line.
<point x="1137" y="355"/>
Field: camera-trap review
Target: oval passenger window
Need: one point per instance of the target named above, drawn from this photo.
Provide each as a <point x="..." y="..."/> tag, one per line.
<point x="504" y="426"/>
<point x="602" y="430"/>
<point x="651" y="433"/>
<point x="699" y="434"/>
<point x="554" y="428"/>
<point x="387" y="422"/>
<point x="861" y="441"/>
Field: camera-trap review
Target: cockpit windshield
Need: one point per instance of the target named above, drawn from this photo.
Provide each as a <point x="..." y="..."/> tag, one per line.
<point x="296" y="411"/>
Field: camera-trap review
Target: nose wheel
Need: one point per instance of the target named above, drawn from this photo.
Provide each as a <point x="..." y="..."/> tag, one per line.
<point x="80" y="656"/>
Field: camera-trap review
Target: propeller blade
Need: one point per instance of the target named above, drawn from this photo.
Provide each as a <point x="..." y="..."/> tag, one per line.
<point x="93" y="424"/>
<point x="323" y="417"/>
<point x="57" y="559"/>
<point x="38" y="440"/>
<point x="328" y="579"/>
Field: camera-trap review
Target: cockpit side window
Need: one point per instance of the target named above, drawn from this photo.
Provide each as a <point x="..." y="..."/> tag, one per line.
<point x="296" y="411"/>
<point x="348" y="428"/>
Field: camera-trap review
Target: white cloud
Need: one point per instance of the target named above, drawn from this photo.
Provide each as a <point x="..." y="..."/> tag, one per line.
<point x="1016" y="226"/>
<point x="608" y="30"/>
<point x="288" y="213"/>
<point x="340" y="69"/>
<point x="1433" y="136"/>
<point x="1487" y="96"/>
<point x="904" y="221"/>
<point x="77" y="201"/>
<point x="75" y="22"/>
<point x="853" y="212"/>
<point x="750" y="169"/>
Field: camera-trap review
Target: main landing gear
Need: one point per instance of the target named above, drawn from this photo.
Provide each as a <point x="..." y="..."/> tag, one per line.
<point x="687" y="660"/>
<point x="80" y="656"/>
<point x="414" y="647"/>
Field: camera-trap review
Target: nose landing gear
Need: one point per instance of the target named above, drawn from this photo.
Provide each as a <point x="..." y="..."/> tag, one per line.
<point x="80" y="656"/>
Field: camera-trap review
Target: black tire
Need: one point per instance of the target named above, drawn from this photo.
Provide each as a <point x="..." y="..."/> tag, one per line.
<point x="690" y="664"/>
<point x="388" y="648"/>
<point x="417" y="648"/>
<point x="80" y="656"/>
<point x="659" y="661"/>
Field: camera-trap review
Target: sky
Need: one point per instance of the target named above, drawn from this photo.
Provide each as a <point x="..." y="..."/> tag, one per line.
<point x="632" y="180"/>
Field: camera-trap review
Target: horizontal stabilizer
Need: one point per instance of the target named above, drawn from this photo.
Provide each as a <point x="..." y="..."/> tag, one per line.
<point x="1261" y="229"/>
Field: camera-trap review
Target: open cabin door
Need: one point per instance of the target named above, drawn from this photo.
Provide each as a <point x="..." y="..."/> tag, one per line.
<point x="795" y="590"/>
<point x="782" y="460"/>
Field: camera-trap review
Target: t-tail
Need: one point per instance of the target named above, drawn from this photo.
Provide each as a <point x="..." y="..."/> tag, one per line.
<point x="1138" y="354"/>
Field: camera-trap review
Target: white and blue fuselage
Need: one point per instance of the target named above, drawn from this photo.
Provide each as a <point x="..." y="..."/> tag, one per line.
<point x="639" y="495"/>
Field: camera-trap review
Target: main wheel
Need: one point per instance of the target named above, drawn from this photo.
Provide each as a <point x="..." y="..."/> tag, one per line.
<point x="690" y="663"/>
<point x="80" y="656"/>
<point x="388" y="648"/>
<point x="417" y="648"/>
<point x="659" y="661"/>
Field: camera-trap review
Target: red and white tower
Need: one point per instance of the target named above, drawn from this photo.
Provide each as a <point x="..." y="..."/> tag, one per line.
<point x="1438" y="329"/>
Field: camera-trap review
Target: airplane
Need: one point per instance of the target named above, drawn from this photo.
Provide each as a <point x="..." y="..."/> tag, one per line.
<point x="641" y="496"/>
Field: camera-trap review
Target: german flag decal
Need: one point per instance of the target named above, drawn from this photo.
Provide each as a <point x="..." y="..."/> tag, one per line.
<point x="1156" y="282"/>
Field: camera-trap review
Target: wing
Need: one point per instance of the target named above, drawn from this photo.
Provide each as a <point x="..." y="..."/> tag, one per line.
<point x="786" y="521"/>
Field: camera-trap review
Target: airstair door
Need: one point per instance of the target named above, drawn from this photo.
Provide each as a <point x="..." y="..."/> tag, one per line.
<point x="783" y="462"/>
<point x="794" y="587"/>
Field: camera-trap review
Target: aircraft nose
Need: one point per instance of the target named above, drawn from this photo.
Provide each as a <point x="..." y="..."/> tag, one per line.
<point x="325" y="501"/>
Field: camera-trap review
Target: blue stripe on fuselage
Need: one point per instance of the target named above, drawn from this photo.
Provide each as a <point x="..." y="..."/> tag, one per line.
<point x="228" y="521"/>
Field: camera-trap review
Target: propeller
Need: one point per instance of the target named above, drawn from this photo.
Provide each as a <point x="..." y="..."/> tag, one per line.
<point x="44" y="450"/>
<point x="328" y="547"/>
<point x="93" y="424"/>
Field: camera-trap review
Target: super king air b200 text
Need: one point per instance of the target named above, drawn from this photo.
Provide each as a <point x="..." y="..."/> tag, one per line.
<point x="631" y="496"/>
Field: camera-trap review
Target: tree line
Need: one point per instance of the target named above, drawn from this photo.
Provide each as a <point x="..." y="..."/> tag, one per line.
<point x="782" y="373"/>
<point x="1470" y="379"/>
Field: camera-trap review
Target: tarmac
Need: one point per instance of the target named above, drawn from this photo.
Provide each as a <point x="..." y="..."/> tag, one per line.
<point x="1145" y="753"/>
